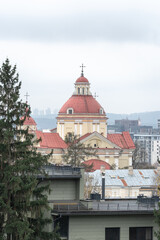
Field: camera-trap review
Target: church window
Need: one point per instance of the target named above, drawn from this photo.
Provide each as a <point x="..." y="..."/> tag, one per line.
<point x="101" y="111"/>
<point x="83" y="91"/>
<point x="95" y="145"/>
<point x="78" y="91"/>
<point x="70" y="111"/>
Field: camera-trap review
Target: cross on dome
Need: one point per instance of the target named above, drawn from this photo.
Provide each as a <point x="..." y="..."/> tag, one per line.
<point x="82" y="69"/>
<point x="27" y="95"/>
<point x="95" y="95"/>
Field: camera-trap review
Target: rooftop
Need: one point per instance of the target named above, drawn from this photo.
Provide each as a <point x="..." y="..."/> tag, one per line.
<point x="82" y="104"/>
<point x="121" y="177"/>
<point x="108" y="207"/>
<point x="50" y="140"/>
<point x="54" y="172"/>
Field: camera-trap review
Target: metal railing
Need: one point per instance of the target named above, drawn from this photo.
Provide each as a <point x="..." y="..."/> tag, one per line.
<point x="53" y="170"/>
<point x="105" y="206"/>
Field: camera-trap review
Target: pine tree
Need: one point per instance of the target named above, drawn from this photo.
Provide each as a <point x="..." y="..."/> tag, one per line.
<point x="157" y="220"/>
<point x="22" y="198"/>
<point x="77" y="151"/>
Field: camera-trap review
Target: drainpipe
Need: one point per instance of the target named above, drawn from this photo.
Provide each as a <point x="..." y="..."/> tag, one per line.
<point x="103" y="181"/>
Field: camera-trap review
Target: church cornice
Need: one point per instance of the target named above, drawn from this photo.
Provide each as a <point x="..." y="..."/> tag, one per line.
<point x="79" y="118"/>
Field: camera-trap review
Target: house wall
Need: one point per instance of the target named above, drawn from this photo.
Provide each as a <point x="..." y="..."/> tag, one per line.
<point x="122" y="192"/>
<point x="93" y="227"/>
<point x="63" y="189"/>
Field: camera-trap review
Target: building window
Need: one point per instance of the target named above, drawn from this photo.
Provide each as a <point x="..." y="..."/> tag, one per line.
<point x="101" y="111"/>
<point x="140" y="233"/>
<point x="95" y="145"/>
<point x="79" y="91"/>
<point x="112" y="234"/>
<point x="83" y="91"/>
<point x="70" y="111"/>
<point x="63" y="223"/>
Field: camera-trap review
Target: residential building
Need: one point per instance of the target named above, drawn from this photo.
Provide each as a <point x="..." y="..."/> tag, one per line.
<point x="125" y="183"/>
<point x="81" y="219"/>
<point x="149" y="145"/>
<point x="127" y="125"/>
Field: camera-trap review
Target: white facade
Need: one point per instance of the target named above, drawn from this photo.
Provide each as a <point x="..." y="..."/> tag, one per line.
<point x="150" y="144"/>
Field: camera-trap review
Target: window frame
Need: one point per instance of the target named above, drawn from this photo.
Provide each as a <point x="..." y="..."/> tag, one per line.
<point x="135" y="228"/>
<point x="70" y="109"/>
<point x="114" y="229"/>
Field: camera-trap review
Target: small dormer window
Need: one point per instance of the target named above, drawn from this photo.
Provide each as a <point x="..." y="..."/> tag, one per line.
<point x="101" y="111"/>
<point x="70" y="111"/>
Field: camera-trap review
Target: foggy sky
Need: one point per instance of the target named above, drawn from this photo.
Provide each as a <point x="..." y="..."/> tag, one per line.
<point x="118" y="41"/>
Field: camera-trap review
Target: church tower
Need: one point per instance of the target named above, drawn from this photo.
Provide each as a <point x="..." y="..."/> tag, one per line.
<point x="81" y="114"/>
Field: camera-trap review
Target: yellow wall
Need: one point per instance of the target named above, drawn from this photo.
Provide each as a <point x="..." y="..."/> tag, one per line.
<point x="81" y="124"/>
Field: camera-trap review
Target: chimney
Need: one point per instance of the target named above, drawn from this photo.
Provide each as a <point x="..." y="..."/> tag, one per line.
<point x="103" y="181"/>
<point x="130" y="171"/>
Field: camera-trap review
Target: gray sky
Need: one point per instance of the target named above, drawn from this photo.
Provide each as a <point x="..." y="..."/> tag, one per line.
<point x="117" y="40"/>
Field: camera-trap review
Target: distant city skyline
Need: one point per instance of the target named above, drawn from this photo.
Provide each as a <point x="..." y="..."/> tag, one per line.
<point x="117" y="41"/>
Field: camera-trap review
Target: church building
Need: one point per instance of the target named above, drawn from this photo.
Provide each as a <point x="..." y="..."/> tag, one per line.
<point x="82" y="115"/>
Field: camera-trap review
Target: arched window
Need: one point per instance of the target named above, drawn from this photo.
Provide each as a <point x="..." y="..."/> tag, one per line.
<point x="83" y="90"/>
<point x="78" y="91"/>
<point x="70" y="111"/>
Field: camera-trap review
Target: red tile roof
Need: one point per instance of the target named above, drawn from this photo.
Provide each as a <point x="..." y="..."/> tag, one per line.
<point x="82" y="104"/>
<point x="84" y="136"/>
<point x="82" y="79"/>
<point x="122" y="140"/>
<point x="50" y="140"/>
<point x="29" y="121"/>
<point x="97" y="164"/>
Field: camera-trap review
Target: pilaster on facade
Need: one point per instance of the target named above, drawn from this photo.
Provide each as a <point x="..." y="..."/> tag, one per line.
<point x="116" y="161"/>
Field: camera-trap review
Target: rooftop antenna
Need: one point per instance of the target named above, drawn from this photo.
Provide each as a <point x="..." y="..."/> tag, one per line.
<point x="82" y="75"/>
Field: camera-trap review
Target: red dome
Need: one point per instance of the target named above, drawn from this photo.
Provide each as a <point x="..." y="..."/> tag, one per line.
<point x="82" y="104"/>
<point x="82" y="80"/>
<point x="97" y="164"/>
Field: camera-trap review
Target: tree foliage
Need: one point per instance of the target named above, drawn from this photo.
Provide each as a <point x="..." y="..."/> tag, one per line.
<point x="139" y="157"/>
<point x="157" y="220"/>
<point x="22" y="198"/>
<point x="77" y="151"/>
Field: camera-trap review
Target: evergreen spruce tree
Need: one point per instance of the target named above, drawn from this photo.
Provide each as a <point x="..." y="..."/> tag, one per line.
<point x="22" y="199"/>
<point x="77" y="151"/>
<point x="157" y="220"/>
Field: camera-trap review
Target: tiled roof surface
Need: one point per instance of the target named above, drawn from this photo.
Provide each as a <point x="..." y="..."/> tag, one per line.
<point x="121" y="177"/>
<point x="82" y="79"/>
<point x="29" y="121"/>
<point x="97" y="164"/>
<point x="82" y="104"/>
<point x="50" y="140"/>
<point x="123" y="140"/>
<point x="84" y="136"/>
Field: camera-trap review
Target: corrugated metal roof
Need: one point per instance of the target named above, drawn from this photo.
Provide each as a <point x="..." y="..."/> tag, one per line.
<point x="120" y="177"/>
